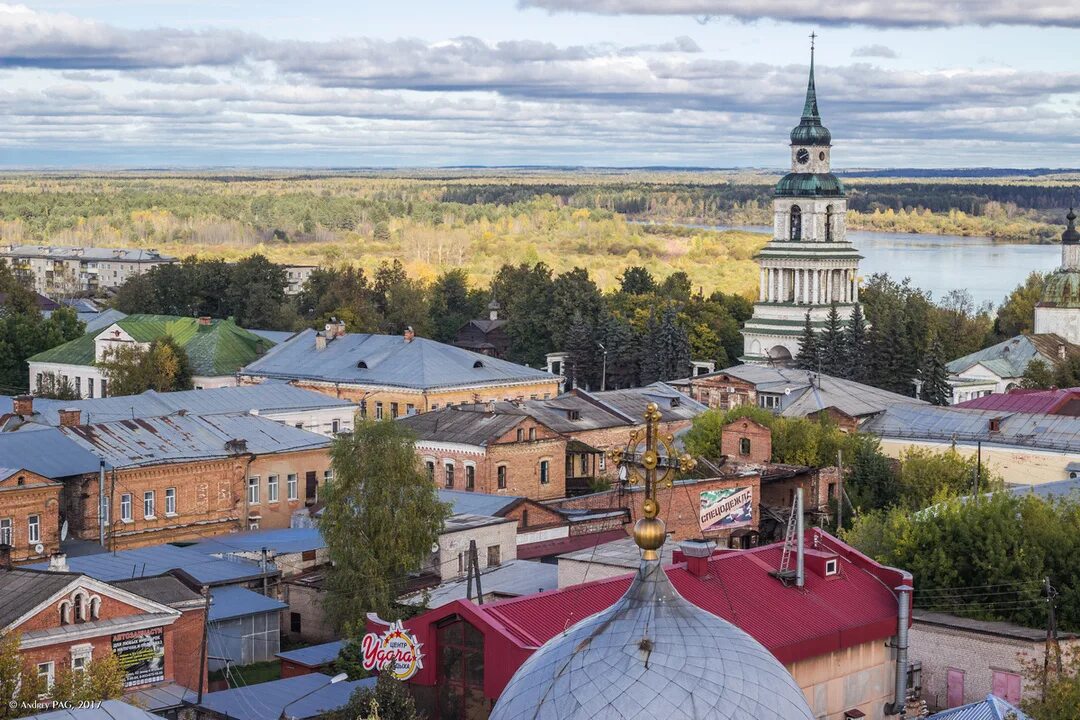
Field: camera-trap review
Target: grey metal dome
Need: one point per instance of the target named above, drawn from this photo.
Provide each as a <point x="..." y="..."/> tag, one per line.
<point x="652" y="654"/>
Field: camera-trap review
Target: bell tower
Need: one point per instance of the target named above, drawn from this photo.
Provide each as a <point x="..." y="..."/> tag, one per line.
<point x="809" y="263"/>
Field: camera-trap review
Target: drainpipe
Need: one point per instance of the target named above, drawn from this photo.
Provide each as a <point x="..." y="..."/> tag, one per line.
<point x="101" y="503"/>
<point x="800" y="558"/>
<point x="903" y="595"/>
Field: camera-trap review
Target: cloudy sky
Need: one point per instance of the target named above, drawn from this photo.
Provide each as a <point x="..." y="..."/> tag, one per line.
<point x="359" y="83"/>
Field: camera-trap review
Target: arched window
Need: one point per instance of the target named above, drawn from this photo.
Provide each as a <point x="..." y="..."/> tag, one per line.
<point x="80" y="608"/>
<point x="95" y="608"/>
<point x="65" y="613"/>
<point x="744" y="446"/>
<point x="796" y="223"/>
<point x="828" y="224"/>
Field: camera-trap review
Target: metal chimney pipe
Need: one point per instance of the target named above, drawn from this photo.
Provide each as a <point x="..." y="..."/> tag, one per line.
<point x="903" y="594"/>
<point x="101" y="503"/>
<point x="800" y="558"/>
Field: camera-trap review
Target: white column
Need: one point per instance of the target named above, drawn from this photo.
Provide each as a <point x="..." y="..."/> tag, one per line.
<point x="783" y="285"/>
<point x="855" y="288"/>
<point x="813" y="287"/>
<point x="798" y="287"/>
<point x="772" y="279"/>
<point x="761" y="287"/>
<point x="829" y="287"/>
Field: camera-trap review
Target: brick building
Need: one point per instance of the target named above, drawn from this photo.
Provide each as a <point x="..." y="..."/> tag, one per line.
<point x="185" y="477"/>
<point x="390" y="376"/>
<point x="29" y="513"/>
<point x="746" y="441"/>
<point x="485" y="336"/>
<point x="496" y="448"/>
<point x="66" y="620"/>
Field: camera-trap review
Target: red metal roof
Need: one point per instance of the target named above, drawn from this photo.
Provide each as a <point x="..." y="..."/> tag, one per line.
<point x="827" y="614"/>
<point x="1027" y="401"/>
<point x="567" y="544"/>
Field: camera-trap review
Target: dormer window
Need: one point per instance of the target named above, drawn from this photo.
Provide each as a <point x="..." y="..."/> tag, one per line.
<point x="832" y="567"/>
<point x="362" y="365"/>
<point x="573" y="415"/>
<point x="478" y="364"/>
<point x="995" y="425"/>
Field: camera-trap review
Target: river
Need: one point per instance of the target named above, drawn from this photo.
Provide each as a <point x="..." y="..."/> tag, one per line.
<point x="987" y="268"/>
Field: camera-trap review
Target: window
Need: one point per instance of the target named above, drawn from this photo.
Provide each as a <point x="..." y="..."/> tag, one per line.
<point x="832" y="567"/>
<point x="253" y="490"/>
<point x="363" y="408"/>
<point x="602" y="462"/>
<point x="744" y="446"/>
<point x="434" y="406"/>
<point x="45" y="670"/>
<point x="831" y="491"/>
<point x="148" y="504"/>
<point x="460" y="564"/>
<point x="532" y="433"/>
<point x="292" y="486"/>
<point x="95" y="608"/>
<point x="33" y="524"/>
<point x="493" y="555"/>
<point x="104" y="387"/>
<point x="5" y="531"/>
<point x="470" y="477"/>
<point x="80" y="658"/>
<point x="90" y="387"/>
<point x="65" y="613"/>
<point x="430" y="470"/>
<point x="378" y="411"/>
<point x="501" y="473"/>
<point x="584" y="460"/>
<point x="170" y="501"/>
<point x="78" y="386"/>
<point x="524" y="518"/>
<point x="299" y="426"/>
<point x="295" y="623"/>
<point x="460" y="670"/>
<point x="272" y="488"/>
<point x="327" y="476"/>
<point x="796" y="224"/>
<point x="544" y="475"/>
<point x="449" y="468"/>
<point x="828" y="223"/>
<point x="335" y="427"/>
<point x="125" y="507"/>
<point x="393" y="410"/>
<point x="410" y="409"/>
<point x="520" y="434"/>
<point x="80" y="608"/>
<point x="253" y="525"/>
<point x="105" y="509"/>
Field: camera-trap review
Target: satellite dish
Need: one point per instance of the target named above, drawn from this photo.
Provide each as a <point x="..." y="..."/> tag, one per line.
<point x="435" y="547"/>
<point x="787" y="391"/>
<point x="622" y="473"/>
<point x="38" y="549"/>
<point x="64" y="531"/>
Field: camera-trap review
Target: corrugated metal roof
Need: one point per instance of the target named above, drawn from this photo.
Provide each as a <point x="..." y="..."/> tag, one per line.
<point x="108" y="710"/>
<point x="579" y="410"/>
<point x="268" y="699"/>
<point x="948" y="424"/>
<point x="466" y="424"/>
<point x="314" y="655"/>
<point x="282" y="541"/>
<point x="992" y="708"/>
<point x="165" y="589"/>
<point x="512" y="578"/>
<point x="46" y="452"/>
<point x="1021" y="400"/>
<point x="22" y="589"/>
<point x="1010" y="358"/>
<point x="180" y="438"/>
<point x="233" y="602"/>
<point x="474" y="503"/>
<point x="1061" y="488"/>
<point x="159" y="559"/>
<point x="73" y="252"/>
<point x="389" y="361"/>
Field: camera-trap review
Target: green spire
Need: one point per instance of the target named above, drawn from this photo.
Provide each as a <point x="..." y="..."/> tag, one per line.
<point x="810" y="109"/>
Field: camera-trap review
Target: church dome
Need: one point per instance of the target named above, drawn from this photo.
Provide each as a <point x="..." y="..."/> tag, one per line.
<point x="652" y="654"/>
<point x="810" y="131"/>
<point x="1062" y="289"/>
<point x="809" y="185"/>
<point x="1070" y="236"/>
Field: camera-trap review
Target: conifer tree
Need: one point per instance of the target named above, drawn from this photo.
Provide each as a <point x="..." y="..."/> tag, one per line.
<point x="856" y="349"/>
<point x="623" y="345"/>
<point x="809" y="354"/>
<point x="581" y="344"/>
<point x="935" y="388"/>
<point x="831" y="345"/>
<point x="666" y="355"/>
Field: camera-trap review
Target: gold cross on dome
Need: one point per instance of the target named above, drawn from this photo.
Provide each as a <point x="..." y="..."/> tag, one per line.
<point x="813" y="37"/>
<point x="640" y="461"/>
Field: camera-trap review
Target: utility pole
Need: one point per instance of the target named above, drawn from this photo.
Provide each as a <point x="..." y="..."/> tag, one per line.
<point x="840" y="494"/>
<point x="1051" y="635"/>
<point x="474" y="571"/>
<point x="603" y="371"/>
<point x="202" y="645"/>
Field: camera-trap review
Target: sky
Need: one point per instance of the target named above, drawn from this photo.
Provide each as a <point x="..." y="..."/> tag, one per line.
<point x="612" y="83"/>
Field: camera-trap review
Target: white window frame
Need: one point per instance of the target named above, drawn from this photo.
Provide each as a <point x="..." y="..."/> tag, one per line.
<point x="125" y="507"/>
<point x="33" y="528"/>
<point x="170" y="502"/>
<point x="149" y="503"/>
<point x="83" y="653"/>
<point x="378" y="411"/>
<point x="327" y="476"/>
<point x="834" y="564"/>
<point x="272" y="488"/>
<point x="6" y="530"/>
<point x="106" y="513"/>
<point x="335" y="426"/>
<point x="449" y="472"/>
<point x="292" y="486"/>
<point x="253" y="489"/>
<point x="49" y="674"/>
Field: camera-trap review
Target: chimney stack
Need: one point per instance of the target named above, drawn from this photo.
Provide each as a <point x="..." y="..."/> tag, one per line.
<point x="58" y="562"/>
<point x="340" y="328"/>
<point x="24" y="405"/>
<point x="409" y="334"/>
<point x="204" y="320"/>
<point x="320" y="341"/>
<point x="70" y="417"/>
<point x="800" y="548"/>
<point x="697" y="554"/>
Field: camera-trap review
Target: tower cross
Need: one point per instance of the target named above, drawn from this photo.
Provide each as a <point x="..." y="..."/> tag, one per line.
<point x="813" y="37"/>
<point x="649" y="531"/>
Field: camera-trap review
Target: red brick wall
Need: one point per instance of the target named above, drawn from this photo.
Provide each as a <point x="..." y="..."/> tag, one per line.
<point x="617" y="438"/>
<point x="50" y="616"/>
<point x="278" y="514"/>
<point x="539" y="516"/>
<point x="290" y="669"/>
<point x="723" y="391"/>
<point x="815" y="485"/>
<point x="186" y="635"/>
<point x="680" y="506"/>
<point x="36" y="495"/>
<point x="760" y="437"/>
<point x="522" y="461"/>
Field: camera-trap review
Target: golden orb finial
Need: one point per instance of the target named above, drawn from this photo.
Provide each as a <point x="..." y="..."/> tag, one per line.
<point x="650" y="534"/>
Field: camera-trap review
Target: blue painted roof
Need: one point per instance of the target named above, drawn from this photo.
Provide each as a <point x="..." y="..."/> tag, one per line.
<point x="108" y="710"/>
<point x="281" y="541"/>
<point x="269" y="699"/>
<point x="46" y="452"/>
<point x="474" y="503"/>
<point x="1060" y="488"/>
<point x="232" y="602"/>
<point x="314" y="655"/>
<point x="158" y="559"/>
<point x="388" y="360"/>
<point x="992" y="708"/>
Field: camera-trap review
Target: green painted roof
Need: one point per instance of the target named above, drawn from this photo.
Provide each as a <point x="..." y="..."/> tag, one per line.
<point x="220" y="348"/>
<point x="810" y="131"/>
<point x="1062" y="290"/>
<point x="809" y="185"/>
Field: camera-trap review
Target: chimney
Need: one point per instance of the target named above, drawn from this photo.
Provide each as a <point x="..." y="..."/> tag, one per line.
<point x="903" y="594"/>
<point x="70" y="417"/>
<point x="1061" y="351"/>
<point x="340" y="328"/>
<point x="58" y="562"/>
<point x="800" y="549"/>
<point x="409" y="334"/>
<point x="24" y="405"/>
<point x="320" y="341"/>
<point x="5" y="556"/>
<point x="204" y="321"/>
<point x="697" y="554"/>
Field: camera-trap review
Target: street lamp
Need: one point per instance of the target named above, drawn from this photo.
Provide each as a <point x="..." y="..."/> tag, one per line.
<point x="603" y="372"/>
<point x="336" y="679"/>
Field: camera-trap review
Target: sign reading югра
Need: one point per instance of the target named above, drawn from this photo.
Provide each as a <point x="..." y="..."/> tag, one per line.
<point x="726" y="509"/>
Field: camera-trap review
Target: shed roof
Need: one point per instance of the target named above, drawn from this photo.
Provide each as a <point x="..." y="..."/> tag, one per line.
<point x="280" y="541"/>
<point x="47" y="452"/>
<point x="475" y="424"/>
<point x="159" y="559"/>
<point x="269" y="699"/>
<point x="166" y="589"/>
<point x="388" y="360"/>
<point x="314" y="655"/>
<point x="108" y="710"/>
<point x="1063" y="401"/>
<point x="1010" y="358"/>
<point x="992" y="708"/>
<point x="234" y="602"/>
<point x="183" y="438"/>
<point x="511" y="579"/>
<point x="474" y="503"/>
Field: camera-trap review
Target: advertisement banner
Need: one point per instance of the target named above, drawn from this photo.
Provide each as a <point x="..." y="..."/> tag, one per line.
<point x="142" y="655"/>
<point x="396" y="649"/>
<point x="726" y="509"/>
